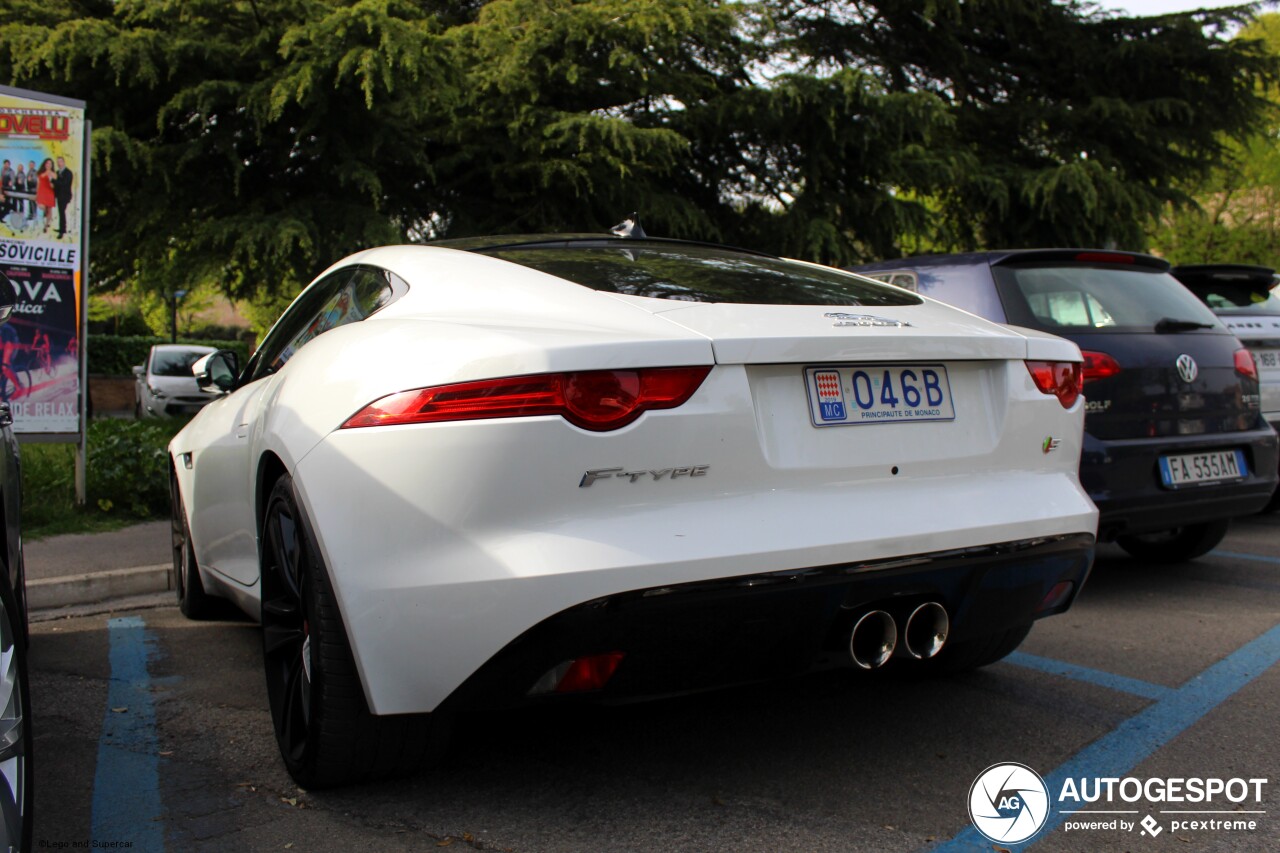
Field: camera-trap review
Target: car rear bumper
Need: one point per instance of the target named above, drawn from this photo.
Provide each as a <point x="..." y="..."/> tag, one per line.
<point x="1123" y="479"/>
<point x="444" y="545"/>
<point x="697" y="636"/>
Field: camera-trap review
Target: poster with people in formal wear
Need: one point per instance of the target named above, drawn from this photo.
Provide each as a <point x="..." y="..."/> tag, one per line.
<point x="42" y="171"/>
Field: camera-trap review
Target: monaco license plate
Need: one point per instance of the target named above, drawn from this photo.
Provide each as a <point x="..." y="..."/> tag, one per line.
<point x="878" y="393"/>
<point x="1211" y="466"/>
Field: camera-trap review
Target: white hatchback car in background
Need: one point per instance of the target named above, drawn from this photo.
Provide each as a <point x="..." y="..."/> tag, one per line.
<point x="1244" y="298"/>
<point x="526" y="469"/>
<point x="165" y="386"/>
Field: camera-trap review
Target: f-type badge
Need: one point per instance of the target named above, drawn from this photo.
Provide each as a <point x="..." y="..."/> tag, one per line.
<point x="864" y="320"/>
<point x="623" y="474"/>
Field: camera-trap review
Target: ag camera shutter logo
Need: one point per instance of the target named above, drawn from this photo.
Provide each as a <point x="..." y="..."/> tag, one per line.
<point x="1008" y="803"/>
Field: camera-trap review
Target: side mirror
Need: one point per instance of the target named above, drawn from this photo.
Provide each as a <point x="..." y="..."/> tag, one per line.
<point x="138" y="370"/>
<point x="216" y="373"/>
<point x="8" y="298"/>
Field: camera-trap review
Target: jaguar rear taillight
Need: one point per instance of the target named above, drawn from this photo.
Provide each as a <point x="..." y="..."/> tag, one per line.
<point x="597" y="400"/>
<point x="1062" y="379"/>
<point x="1245" y="364"/>
<point x="1099" y="365"/>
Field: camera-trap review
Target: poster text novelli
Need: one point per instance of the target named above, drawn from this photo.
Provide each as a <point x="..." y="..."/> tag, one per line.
<point x="1176" y="790"/>
<point x="40" y="124"/>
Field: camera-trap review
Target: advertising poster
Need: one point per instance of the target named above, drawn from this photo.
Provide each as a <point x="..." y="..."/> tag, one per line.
<point x="42" y="179"/>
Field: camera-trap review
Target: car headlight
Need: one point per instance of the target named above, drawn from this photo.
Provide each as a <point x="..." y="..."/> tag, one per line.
<point x="155" y="392"/>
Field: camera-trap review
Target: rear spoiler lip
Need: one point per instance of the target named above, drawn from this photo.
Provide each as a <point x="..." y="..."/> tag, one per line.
<point x="1079" y="256"/>
<point x="1257" y="279"/>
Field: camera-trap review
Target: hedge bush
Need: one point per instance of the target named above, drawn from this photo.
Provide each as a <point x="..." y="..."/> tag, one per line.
<point x="117" y="355"/>
<point x="127" y="474"/>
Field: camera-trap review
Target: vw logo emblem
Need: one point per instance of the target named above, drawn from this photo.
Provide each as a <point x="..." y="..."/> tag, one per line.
<point x="1187" y="368"/>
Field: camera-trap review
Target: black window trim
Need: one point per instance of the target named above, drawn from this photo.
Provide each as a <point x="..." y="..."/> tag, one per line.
<point x="399" y="287"/>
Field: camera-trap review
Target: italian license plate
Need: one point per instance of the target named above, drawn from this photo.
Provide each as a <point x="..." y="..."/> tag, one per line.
<point x="1211" y="466"/>
<point x="878" y="393"/>
<point x="1268" y="361"/>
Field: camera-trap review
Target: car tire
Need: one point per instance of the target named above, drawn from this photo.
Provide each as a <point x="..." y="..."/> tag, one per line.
<point x="325" y="731"/>
<point x="16" y="771"/>
<point x="193" y="601"/>
<point x="1176" y="545"/>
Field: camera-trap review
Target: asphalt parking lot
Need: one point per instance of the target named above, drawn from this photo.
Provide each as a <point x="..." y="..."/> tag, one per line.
<point x="153" y="732"/>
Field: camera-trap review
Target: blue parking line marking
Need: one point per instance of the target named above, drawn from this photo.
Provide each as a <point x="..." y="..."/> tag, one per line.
<point x="1116" y="753"/>
<point x="1237" y="555"/>
<point x="1111" y="681"/>
<point x="126" y="783"/>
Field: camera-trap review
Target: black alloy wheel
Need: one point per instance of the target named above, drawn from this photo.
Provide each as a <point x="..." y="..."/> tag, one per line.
<point x="16" y="771"/>
<point x="193" y="601"/>
<point x="323" y="726"/>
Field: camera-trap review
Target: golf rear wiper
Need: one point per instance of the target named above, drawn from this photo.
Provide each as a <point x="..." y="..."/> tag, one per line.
<point x="1168" y="324"/>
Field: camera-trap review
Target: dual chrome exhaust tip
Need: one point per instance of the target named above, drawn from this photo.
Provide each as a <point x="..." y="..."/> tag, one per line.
<point x="874" y="637"/>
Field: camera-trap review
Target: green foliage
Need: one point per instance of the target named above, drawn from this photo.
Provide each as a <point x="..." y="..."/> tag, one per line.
<point x="263" y="311"/>
<point x="128" y="466"/>
<point x="48" y="485"/>
<point x="1069" y="125"/>
<point x="1234" y="216"/>
<point x="126" y="477"/>
<point x="117" y="355"/>
<point x="114" y="317"/>
<point x="157" y="308"/>
<point x="244" y="145"/>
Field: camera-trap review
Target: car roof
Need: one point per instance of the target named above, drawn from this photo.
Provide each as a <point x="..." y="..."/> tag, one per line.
<point x="568" y="241"/>
<point x="1253" y="277"/>
<point x="996" y="257"/>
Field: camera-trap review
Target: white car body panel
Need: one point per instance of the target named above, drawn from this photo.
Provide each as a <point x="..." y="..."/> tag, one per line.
<point x="755" y="334"/>
<point x="468" y="568"/>
<point x="220" y="499"/>
<point x="1260" y="332"/>
<point x="456" y="537"/>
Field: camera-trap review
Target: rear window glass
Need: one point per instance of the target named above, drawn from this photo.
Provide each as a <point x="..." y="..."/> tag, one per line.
<point x="1228" y="298"/>
<point x="905" y="280"/>
<point x="1079" y="298"/>
<point x="175" y="362"/>
<point x="703" y="274"/>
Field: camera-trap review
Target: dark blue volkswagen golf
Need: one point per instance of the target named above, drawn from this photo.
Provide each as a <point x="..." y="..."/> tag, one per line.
<point x="1175" y="444"/>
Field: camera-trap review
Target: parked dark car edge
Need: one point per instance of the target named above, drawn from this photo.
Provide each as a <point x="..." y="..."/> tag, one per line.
<point x="1175" y="443"/>
<point x="16" y="774"/>
<point x="1242" y="296"/>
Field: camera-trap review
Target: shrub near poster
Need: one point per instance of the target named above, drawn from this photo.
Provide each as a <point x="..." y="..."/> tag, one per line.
<point x="43" y="172"/>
